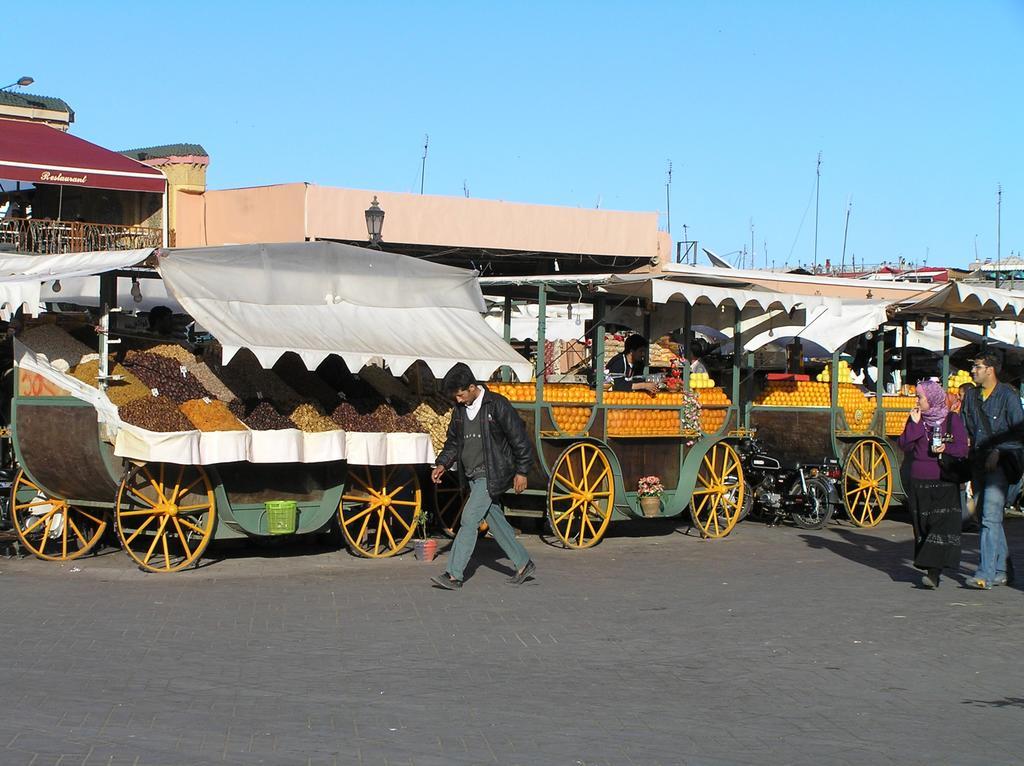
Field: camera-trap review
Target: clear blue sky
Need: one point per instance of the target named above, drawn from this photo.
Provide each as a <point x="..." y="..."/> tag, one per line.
<point x="916" y="107"/>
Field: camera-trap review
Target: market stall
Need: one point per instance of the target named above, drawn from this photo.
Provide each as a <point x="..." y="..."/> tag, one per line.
<point x="283" y="424"/>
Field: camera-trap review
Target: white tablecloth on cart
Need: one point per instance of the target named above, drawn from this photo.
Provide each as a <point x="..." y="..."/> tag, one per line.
<point x="288" y="445"/>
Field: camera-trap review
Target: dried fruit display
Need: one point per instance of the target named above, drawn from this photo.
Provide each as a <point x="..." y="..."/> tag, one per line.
<point x="434" y="420"/>
<point x="265" y="418"/>
<point x="119" y="392"/>
<point x="154" y="413"/>
<point x="62" y="351"/>
<point x="173" y="351"/>
<point x="166" y="375"/>
<point x="251" y="383"/>
<point x="385" y="384"/>
<point x="309" y="419"/>
<point x="384" y="419"/>
<point x="210" y="381"/>
<point x="211" y="415"/>
<point x="308" y="384"/>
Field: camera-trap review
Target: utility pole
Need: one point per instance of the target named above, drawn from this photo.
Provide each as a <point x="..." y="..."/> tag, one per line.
<point x="753" y="260"/>
<point x="817" y="190"/>
<point x="999" y="212"/>
<point x="423" y="165"/>
<point x="668" y="201"/>
<point x="846" y="229"/>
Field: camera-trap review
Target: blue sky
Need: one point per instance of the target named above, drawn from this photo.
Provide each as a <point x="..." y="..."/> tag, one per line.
<point x="915" y="106"/>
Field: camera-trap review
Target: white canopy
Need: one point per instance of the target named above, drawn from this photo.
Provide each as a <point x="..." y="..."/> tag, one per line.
<point x="323" y="298"/>
<point x="829" y="327"/>
<point x="967" y="301"/>
<point x="21" y="276"/>
<point x="560" y="322"/>
<point x="662" y="289"/>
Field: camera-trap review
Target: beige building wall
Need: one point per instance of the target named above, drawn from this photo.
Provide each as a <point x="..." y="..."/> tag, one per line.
<point x="293" y="212"/>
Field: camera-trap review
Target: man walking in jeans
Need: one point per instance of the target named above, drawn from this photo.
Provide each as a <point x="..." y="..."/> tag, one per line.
<point x="487" y="443"/>
<point x="993" y="415"/>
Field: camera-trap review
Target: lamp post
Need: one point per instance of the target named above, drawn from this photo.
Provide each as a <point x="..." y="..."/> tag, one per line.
<point x="23" y="82"/>
<point x="374" y="222"/>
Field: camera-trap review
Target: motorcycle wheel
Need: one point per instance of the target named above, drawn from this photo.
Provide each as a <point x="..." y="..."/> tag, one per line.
<point x="818" y="508"/>
<point x="748" y="504"/>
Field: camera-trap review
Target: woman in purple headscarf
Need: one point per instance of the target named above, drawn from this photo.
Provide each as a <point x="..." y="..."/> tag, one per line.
<point x="934" y="504"/>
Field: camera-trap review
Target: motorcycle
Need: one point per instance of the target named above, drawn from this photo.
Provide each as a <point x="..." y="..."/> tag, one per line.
<point x="806" y="493"/>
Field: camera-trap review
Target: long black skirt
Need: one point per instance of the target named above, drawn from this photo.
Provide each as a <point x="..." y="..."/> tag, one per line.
<point x="935" y="510"/>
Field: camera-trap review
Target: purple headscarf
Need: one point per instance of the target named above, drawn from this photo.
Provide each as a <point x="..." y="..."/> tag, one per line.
<point x="935" y="417"/>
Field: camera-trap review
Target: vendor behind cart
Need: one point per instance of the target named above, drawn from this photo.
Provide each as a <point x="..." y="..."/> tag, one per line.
<point x="625" y="370"/>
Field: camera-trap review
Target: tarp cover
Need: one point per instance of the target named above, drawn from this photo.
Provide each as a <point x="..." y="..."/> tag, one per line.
<point x="39" y="154"/>
<point x="22" y="275"/>
<point x="322" y="298"/>
<point x="967" y="301"/>
<point x="829" y="327"/>
<point x="665" y="290"/>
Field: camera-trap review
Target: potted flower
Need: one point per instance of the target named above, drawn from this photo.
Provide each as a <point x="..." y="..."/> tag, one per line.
<point x="426" y="547"/>
<point x="650" y="490"/>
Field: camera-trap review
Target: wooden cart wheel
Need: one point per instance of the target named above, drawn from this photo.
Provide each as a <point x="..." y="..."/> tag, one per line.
<point x="50" y="527"/>
<point x="717" y="500"/>
<point x="581" y="494"/>
<point x="449" y="499"/>
<point x="165" y="515"/>
<point x="867" y="483"/>
<point x="379" y="509"/>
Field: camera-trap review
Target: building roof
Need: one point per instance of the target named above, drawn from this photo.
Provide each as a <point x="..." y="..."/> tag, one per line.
<point x="31" y="101"/>
<point x="165" y="150"/>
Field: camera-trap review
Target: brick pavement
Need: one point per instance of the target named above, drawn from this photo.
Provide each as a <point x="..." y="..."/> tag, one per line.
<point x="775" y="646"/>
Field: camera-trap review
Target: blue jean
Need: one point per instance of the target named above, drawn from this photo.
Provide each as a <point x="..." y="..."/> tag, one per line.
<point x="481" y="507"/>
<point x="990" y="500"/>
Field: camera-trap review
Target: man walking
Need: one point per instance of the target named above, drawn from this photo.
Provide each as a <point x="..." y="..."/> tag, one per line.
<point x="487" y="443"/>
<point x="994" y="418"/>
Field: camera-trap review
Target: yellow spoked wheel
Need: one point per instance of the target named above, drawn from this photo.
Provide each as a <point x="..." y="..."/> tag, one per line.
<point x="718" y="497"/>
<point x="581" y="494"/>
<point x="379" y="509"/>
<point x="50" y="527"/>
<point x="867" y="483"/>
<point x="449" y="499"/>
<point x="165" y="515"/>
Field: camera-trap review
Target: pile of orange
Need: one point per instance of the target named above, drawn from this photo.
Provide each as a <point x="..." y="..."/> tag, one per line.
<point x="859" y="410"/>
<point x="643" y="422"/>
<point x="571" y="420"/>
<point x="714" y="403"/>
<point x="795" y="393"/>
<point x="515" y="392"/>
<point x="898" y="410"/>
<point x="568" y="392"/>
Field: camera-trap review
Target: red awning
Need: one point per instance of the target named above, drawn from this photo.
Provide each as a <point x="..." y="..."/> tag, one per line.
<point x="39" y="154"/>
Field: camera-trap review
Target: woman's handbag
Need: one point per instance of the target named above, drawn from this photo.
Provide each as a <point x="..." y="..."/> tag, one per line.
<point x="953" y="469"/>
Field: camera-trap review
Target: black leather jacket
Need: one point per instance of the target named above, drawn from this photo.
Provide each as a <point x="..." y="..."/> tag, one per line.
<point x="508" y="449"/>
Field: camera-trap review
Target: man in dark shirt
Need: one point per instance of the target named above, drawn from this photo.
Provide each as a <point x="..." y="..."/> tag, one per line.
<point x="994" y="418"/>
<point x="488" y="445"/>
<point x="625" y="370"/>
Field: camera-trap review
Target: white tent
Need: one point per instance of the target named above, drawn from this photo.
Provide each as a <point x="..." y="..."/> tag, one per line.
<point x="323" y="298"/>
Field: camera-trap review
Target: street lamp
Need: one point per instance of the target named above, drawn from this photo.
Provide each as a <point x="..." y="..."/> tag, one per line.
<point x="23" y="82"/>
<point x="374" y="222"/>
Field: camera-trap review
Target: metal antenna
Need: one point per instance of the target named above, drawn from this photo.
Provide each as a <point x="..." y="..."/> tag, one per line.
<point x="465" y="188"/>
<point x="423" y="165"/>
<point x="817" y="190"/>
<point x="753" y="260"/>
<point x="668" y="200"/>
<point x="999" y="212"/>
<point x="846" y="229"/>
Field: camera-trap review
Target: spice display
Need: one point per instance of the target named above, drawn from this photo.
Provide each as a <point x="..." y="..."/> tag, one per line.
<point x="336" y="374"/>
<point x="166" y="375"/>
<point x="155" y="413"/>
<point x="119" y="392"/>
<point x="434" y="420"/>
<point x="173" y="351"/>
<point x="251" y="383"/>
<point x="62" y="351"/>
<point x="384" y="419"/>
<point x="210" y="381"/>
<point x="265" y="418"/>
<point x="385" y="384"/>
<point x="311" y="420"/>
<point x="293" y="372"/>
<point x="210" y="415"/>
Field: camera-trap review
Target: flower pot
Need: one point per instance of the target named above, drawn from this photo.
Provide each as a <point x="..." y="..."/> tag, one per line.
<point x="651" y="506"/>
<point x="425" y="550"/>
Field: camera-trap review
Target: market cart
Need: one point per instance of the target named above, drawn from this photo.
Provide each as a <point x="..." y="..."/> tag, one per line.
<point x="595" y="445"/>
<point x="806" y="419"/>
<point x="88" y="462"/>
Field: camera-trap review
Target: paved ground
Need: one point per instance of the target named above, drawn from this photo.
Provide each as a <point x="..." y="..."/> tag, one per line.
<point x="776" y="646"/>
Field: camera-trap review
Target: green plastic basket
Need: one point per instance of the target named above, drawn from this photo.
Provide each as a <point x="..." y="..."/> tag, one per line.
<point x="281" y="516"/>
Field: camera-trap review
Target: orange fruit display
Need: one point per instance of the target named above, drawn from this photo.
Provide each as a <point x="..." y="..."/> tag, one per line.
<point x="571" y="420"/>
<point x="795" y="393"/>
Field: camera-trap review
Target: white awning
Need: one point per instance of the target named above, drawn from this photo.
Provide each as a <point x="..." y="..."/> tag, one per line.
<point x="21" y="276"/>
<point x="967" y="301"/>
<point x="662" y="289"/>
<point x="829" y="327"/>
<point x="323" y="298"/>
